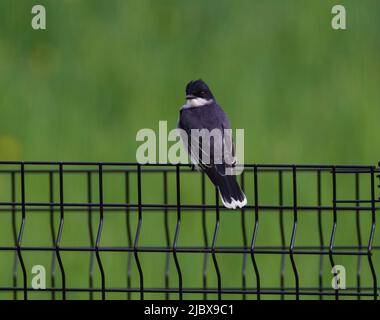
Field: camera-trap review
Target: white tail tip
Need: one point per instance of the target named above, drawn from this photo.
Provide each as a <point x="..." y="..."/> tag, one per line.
<point x="234" y="203"/>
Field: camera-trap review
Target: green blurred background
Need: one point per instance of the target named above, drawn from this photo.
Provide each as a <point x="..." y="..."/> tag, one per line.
<point x="80" y="91"/>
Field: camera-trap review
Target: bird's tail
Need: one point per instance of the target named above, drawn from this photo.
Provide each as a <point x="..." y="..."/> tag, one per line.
<point x="230" y="193"/>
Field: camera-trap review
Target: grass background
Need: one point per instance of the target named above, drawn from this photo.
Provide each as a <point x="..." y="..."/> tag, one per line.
<point x="102" y="70"/>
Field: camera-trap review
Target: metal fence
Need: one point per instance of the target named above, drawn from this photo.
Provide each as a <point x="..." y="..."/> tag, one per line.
<point x="327" y="193"/>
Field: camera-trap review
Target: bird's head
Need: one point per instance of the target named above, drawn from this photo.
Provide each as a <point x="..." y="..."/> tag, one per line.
<point x="198" y="93"/>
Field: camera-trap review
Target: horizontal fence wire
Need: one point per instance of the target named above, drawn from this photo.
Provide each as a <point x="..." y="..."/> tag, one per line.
<point x="276" y="195"/>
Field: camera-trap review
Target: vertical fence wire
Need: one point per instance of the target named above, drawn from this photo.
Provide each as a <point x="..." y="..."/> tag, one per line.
<point x="138" y="231"/>
<point x="372" y="233"/>
<point x="129" y="233"/>
<point x="358" y="234"/>
<point x="60" y="230"/>
<point x="52" y="233"/>
<point x="215" y="261"/>
<point x="254" y="235"/>
<point x="176" y="235"/>
<point x="245" y="244"/>
<point x="167" y="234"/>
<point x="294" y="231"/>
<point x="14" y="232"/>
<point x="333" y="231"/>
<point x="91" y="234"/>
<point x="21" y="232"/>
<point x="282" y="233"/>
<point x="205" y="235"/>
<point x="99" y="234"/>
<point x="320" y="233"/>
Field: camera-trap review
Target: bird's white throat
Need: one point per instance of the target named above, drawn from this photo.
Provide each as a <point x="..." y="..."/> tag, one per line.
<point x="197" y="102"/>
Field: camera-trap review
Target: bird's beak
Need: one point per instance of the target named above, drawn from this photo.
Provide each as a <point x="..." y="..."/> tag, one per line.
<point x="190" y="97"/>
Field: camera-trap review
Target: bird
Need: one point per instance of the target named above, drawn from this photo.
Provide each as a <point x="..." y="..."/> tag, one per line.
<point x="202" y="112"/>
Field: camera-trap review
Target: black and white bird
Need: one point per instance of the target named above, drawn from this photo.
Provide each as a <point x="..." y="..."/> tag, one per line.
<point x="201" y="112"/>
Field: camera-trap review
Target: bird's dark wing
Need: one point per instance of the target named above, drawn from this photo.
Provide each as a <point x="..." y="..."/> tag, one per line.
<point x="210" y="118"/>
<point x="229" y="159"/>
<point x="187" y="121"/>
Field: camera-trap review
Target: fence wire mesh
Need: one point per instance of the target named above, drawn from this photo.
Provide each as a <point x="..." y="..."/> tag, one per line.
<point x="131" y="231"/>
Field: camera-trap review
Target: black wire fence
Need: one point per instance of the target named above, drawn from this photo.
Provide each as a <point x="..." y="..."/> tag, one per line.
<point x="84" y="222"/>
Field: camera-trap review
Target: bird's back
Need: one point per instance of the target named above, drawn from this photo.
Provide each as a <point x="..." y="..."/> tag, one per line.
<point x="209" y="117"/>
